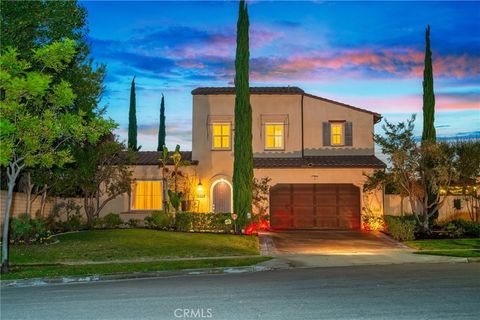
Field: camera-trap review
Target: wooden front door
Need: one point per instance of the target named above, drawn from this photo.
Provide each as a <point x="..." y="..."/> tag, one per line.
<point x="222" y="197"/>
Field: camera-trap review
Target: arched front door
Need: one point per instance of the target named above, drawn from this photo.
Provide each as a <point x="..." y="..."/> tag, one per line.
<point x="221" y="197"/>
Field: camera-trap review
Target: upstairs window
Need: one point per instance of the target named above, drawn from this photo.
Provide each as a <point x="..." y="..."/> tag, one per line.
<point x="274" y="136"/>
<point x="221" y="136"/>
<point x="336" y="129"/>
<point x="146" y="195"/>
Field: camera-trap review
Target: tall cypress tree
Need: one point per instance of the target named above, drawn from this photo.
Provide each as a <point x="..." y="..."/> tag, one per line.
<point x="428" y="95"/>
<point x="132" y="119"/>
<point x="429" y="135"/>
<point x="161" y="130"/>
<point x="243" y="154"/>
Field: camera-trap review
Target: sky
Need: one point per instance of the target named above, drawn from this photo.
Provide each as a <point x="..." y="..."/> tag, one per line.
<point x="367" y="54"/>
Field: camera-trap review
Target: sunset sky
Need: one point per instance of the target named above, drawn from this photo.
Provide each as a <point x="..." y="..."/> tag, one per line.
<point x="368" y="54"/>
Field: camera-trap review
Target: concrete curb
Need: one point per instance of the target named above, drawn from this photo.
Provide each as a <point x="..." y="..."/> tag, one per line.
<point x="35" y="282"/>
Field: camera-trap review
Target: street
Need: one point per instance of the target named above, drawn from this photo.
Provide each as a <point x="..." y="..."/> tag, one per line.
<point x="409" y="291"/>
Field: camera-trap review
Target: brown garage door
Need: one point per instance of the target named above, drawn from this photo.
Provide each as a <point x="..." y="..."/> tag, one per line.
<point x="315" y="206"/>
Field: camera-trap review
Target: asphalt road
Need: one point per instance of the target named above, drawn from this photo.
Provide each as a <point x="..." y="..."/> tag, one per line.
<point x="416" y="291"/>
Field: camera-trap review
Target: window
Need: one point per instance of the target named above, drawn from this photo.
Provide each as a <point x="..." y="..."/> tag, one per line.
<point x="274" y="136"/>
<point x="336" y="130"/>
<point x="146" y="195"/>
<point x="221" y="136"/>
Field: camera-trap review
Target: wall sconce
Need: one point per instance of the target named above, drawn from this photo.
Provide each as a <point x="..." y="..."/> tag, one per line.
<point x="200" y="193"/>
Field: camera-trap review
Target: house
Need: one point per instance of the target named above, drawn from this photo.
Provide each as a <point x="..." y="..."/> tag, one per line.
<point x="316" y="152"/>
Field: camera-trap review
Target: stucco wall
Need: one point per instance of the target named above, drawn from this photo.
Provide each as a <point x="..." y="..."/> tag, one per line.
<point x="215" y="165"/>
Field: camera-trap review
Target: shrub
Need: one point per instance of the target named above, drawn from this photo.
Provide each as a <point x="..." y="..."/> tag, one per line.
<point x="401" y="228"/>
<point x="133" y="223"/>
<point x="162" y="220"/>
<point x="462" y="228"/>
<point x="112" y="221"/>
<point x="73" y="223"/>
<point x="68" y="209"/>
<point x="27" y="230"/>
<point x="203" y="222"/>
<point x="371" y="222"/>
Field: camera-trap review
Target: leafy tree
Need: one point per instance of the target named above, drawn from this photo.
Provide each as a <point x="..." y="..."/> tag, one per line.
<point x="467" y="167"/>
<point x="429" y="135"/>
<point x="36" y="121"/>
<point x="261" y="192"/>
<point x="164" y="160"/>
<point x="161" y="130"/>
<point x="243" y="154"/>
<point x="28" y="25"/>
<point x="132" y="119"/>
<point x="411" y="171"/>
<point x="101" y="173"/>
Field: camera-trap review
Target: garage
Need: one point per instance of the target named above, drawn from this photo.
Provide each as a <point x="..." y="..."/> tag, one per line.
<point x="315" y="206"/>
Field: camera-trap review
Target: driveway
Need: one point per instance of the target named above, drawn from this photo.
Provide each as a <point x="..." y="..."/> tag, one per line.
<point x="328" y="248"/>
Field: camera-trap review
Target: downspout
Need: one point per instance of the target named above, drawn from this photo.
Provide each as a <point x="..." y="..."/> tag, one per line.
<point x="303" y="151"/>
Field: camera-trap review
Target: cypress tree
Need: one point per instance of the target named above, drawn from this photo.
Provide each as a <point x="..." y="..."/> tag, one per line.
<point x="161" y="130"/>
<point x="243" y="154"/>
<point x="429" y="135"/>
<point x="132" y="119"/>
<point x="428" y="95"/>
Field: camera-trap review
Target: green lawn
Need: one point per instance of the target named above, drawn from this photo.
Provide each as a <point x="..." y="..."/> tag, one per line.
<point x="448" y="247"/>
<point x="51" y="271"/>
<point x="105" y="245"/>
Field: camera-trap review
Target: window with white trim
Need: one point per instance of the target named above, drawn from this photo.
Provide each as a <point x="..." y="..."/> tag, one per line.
<point x="274" y="136"/>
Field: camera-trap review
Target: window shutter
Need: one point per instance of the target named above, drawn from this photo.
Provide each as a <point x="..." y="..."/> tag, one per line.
<point x="326" y="134"/>
<point x="348" y="134"/>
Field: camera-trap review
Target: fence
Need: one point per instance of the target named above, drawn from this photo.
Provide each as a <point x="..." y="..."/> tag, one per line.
<point x="453" y="207"/>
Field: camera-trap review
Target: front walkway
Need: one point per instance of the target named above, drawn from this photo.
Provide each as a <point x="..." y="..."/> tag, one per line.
<point x="338" y="248"/>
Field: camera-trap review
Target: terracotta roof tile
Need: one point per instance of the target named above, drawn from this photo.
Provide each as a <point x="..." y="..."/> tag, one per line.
<point x="320" y="162"/>
<point x="253" y="90"/>
<point x="148" y="158"/>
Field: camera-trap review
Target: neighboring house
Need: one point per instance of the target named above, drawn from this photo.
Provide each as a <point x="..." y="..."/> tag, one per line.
<point x="315" y="150"/>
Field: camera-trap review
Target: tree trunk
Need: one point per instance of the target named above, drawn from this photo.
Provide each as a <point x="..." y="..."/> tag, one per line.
<point x="28" y="188"/>
<point x="43" y="199"/>
<point x="12" y="172"/>
<point x="401" y="206"/>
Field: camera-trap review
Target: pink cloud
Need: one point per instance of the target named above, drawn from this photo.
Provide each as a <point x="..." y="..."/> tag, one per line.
<point x="400" y="62"/>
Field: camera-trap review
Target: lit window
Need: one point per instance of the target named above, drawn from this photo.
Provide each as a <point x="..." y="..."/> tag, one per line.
<point x="221" y="136"/>
<point x="147" y="195"/>
<point x="274" y="136"/>
<point x="337" y="133"/>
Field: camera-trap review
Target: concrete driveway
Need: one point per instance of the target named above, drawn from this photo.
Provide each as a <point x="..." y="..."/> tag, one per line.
<point x="327" y="248"/>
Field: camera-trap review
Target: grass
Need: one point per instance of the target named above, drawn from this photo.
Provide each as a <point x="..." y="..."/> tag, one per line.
<point x="108" y="245"/>
<point x="71" y="253"/>
<point x="448" y="247"/>
<point x="51" y="271"/>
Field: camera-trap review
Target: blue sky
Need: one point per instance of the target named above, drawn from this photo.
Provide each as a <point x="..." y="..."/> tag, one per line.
<point x="368" y="54"/>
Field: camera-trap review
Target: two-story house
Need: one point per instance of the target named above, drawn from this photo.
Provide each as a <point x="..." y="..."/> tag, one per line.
<point x="315" y="150"/>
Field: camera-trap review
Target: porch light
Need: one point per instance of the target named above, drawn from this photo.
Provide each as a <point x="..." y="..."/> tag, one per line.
<point x="200" y="193"/>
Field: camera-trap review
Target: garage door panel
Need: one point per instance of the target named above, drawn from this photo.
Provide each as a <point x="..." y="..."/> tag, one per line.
<point x="325" y="200"/>
<point x="325" y="189"/>
<point x="303" y="199"/>
<point x="319" y="206"/>
<point x="280" y="218"/>
<point x="348" y="198"/>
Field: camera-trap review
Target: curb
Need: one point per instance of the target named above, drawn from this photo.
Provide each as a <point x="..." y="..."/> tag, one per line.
<point x="35" y="282"/>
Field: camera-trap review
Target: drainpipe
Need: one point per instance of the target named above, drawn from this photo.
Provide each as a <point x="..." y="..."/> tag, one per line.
<point x="303" y="151"/>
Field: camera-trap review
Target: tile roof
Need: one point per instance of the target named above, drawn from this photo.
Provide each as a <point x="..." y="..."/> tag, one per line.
<point x="148" y="158"/>
<point x="253" y="90"/>
<point x="320" y="162"/>
<point x="278" y="90"/>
